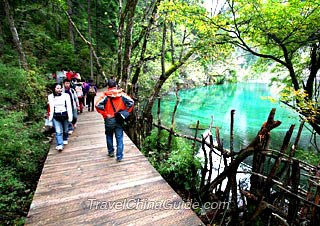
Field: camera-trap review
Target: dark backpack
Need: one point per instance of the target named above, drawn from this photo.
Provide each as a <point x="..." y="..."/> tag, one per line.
<point x="92" y="91"/>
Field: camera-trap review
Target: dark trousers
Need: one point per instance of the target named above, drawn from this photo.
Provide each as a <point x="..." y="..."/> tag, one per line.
<point x="81" y="103"/>
<point x="90" y="102"/>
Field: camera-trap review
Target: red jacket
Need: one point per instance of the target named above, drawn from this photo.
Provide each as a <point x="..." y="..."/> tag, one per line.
<point x="121" y="101"/>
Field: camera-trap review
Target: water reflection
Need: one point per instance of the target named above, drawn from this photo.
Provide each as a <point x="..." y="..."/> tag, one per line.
<point x="218" y="100"/>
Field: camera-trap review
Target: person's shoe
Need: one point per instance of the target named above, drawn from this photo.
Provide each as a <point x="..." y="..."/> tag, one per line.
<point x="65" y="142"/>
<point x="70" y="132"/>
<point x="59" y="147"/>
<point x="111" y="154"/>
<point x="119" y="160"/>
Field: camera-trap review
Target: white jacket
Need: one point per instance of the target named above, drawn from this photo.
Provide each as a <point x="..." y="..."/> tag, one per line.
<point x="74" y="99"/>
<point x="60" y="104"/>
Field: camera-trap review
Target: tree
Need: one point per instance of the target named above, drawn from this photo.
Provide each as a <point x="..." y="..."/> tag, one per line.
<point x="144" y="37"/>
<point x="71" y="34"/>
<point x="284" y="33"/>
<point x="130" y="6"/>
<point x="15" y="36"/>
<point x="90" y="39"/>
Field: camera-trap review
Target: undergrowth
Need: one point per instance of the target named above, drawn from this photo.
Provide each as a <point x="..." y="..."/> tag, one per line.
<point x="22" y="149"/>
<point x="178" y="163"/>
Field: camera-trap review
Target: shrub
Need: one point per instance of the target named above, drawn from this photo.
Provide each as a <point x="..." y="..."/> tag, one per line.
<point x="22" y="91"/>
<point x="22" y="150"/>
<point x="308" y="156"/>
<point x="22" y="153"/>
<point x="177" y="164"/>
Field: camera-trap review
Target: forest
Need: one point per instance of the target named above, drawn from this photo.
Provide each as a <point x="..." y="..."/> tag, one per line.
<point x="156" y="47"/>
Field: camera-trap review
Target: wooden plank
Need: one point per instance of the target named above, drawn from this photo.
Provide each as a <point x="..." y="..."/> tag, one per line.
<point x="83" y="186"/>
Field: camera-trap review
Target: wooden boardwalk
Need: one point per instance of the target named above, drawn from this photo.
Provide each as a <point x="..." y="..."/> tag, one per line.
<point x="83" y="186"/>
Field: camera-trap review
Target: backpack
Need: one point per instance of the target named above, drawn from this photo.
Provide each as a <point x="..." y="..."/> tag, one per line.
<point x="92" y="91"/>
<point x="79" y="91"/>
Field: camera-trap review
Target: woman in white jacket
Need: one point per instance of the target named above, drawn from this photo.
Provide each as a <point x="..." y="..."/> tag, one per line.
<point x="60" y="114"/>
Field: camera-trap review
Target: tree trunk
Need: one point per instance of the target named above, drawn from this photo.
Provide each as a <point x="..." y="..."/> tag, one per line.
<point x="128" y="43"/>
<point x="89" y="34"/>
<point x="143" y="48"/>
<point x="89" y="45"/>
<point x="314" y="68"/>
<point x="15" y="36"/>
<point x="1" y="40"/>
<point x="171" y="42"/>
<point x="163" y="49"/>
<point x="71" y="34"/>
<point x="122" y="16"/>
<point x="162" y="79"/>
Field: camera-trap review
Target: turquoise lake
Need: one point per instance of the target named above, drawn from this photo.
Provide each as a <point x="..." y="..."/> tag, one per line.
<point x="251" y="111"/>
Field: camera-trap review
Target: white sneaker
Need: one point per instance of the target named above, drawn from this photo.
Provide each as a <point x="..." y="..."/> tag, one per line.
<point x="59" y="147"/>
<point x="65" y="142"/>
<point x="70" y="132"/>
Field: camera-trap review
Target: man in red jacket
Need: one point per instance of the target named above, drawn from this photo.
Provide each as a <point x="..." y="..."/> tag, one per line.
<point x="112" y="101"/>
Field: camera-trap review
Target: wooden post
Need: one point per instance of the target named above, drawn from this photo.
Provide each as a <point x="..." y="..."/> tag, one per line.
<point x="195" y="136"/>
<point x="231" y="132"/>
<point x="159" y="129"/>
<point x="172" y="119"/>
<point x="204" y="169"/>
<point x="293" y="201"/>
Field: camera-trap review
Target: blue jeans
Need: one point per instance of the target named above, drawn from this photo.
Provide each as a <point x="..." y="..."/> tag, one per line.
<point x="61" y="129"/>
<point x="111" y="127"/>
<point x="74" y="119"/>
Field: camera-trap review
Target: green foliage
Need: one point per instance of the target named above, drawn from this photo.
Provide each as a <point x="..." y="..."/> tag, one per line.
<point x="46" y="39"/>
<point x="176" y="164"/>
<point x="22" y="91"/>
<point x="303" y="103"/>
<point x="60" y="56"/>
<point x="22" y="150"/>
<point x="308" y="156"/>
<point x="21" y="155"/>
<point x="11" y="202"/>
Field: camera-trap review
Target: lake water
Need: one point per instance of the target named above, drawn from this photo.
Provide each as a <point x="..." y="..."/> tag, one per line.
<point x="251" y="111"/>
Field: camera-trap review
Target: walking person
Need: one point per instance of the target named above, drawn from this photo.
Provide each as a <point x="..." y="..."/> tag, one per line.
<point x="91" y="91"/>
<point x="74" y="103"/>
<point x="60" y="114"/>
<point x="113" y="100"/>
<point x="84" y="87"/>
<point x="80" y="94"/>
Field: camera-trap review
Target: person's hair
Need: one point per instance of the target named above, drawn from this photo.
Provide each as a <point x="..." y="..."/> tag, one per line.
<point x="66" y="80"/>
<point x="112" y="83"/>
<point x="54" y="87"/>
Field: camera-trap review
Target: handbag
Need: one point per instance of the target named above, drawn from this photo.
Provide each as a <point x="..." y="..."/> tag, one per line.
<point x="120" y="116"/>
<point x="48" y="123"/>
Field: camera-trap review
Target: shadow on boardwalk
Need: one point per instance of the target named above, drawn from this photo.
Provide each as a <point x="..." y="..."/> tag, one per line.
<point x="83" y="186"/>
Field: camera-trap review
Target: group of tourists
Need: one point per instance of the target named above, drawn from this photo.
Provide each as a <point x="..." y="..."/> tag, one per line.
<point x="69" y="98"/>
<point x="59" y="76"/>
<point x="64" y="103"/>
